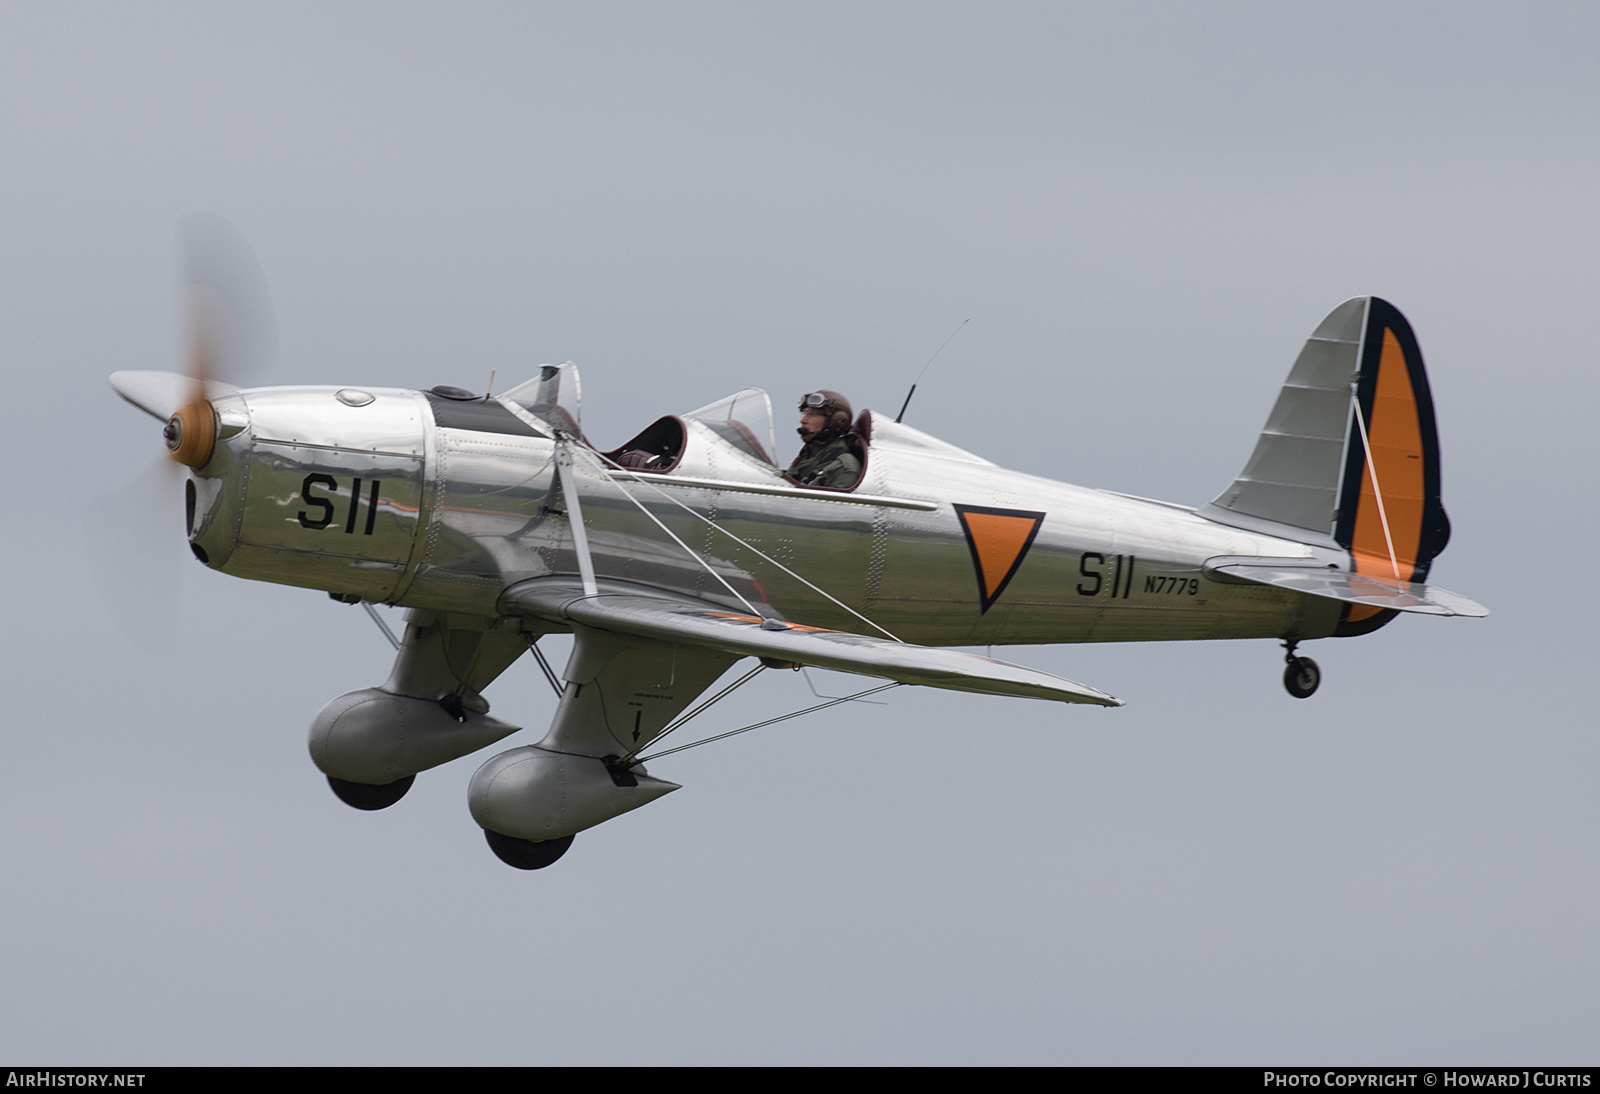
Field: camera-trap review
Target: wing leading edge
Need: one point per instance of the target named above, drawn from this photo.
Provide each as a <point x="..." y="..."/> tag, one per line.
<point x="697" y="623"/>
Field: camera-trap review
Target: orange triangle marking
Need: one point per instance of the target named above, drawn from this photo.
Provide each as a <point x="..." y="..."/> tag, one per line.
<point x="999" y="540"/>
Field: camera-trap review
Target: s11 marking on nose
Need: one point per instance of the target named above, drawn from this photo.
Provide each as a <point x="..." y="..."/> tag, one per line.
<point x="328" y="482"/>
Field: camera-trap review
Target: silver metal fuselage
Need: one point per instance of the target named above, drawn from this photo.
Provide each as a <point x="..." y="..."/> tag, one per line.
<point x="381" y="502"/>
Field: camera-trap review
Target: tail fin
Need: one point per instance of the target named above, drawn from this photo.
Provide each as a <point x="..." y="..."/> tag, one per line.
<point x="1349" y="456"/>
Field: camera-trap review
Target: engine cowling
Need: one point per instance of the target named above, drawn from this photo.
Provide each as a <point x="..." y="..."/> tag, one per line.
<point x="315" y="486"/>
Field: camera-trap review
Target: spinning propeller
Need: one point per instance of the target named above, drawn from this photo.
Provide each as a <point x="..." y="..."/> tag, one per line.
<point x="227" y="334"/>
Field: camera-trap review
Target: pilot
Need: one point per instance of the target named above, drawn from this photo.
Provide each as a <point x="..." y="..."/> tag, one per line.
<point x="827" y="458"/>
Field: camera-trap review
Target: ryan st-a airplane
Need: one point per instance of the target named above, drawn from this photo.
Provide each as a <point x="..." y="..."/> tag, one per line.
<point x="671" y="558"/>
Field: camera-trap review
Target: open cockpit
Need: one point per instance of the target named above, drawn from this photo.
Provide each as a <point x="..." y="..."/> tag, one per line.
<point x="739" y="425"/>
<point x="732" y="438"/>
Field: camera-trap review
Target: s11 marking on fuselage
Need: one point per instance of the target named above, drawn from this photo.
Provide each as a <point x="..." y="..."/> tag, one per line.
<point x="1121" y="577"/>
<point x="328" y="482"/>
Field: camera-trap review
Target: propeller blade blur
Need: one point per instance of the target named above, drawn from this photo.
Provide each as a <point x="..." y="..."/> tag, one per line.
<point x="140" y="567"/>
<point x="231" y="331"/>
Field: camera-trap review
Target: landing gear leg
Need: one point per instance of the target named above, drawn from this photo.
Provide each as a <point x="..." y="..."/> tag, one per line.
<point x="1301" y="674"/>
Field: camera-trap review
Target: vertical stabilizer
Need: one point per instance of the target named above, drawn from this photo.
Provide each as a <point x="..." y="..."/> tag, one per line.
<point x="1349" y="456"/>
<point x="1293" y="475"/>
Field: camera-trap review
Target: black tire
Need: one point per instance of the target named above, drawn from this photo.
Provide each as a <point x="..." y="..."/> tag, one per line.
<point x="370" y="797"/>
<point x="1301" y="677"/>
<point x="526" y="854"/>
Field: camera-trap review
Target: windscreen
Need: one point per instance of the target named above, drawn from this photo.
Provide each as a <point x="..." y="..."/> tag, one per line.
<point x="744" y="420"/>
<point x="553" y="396"/>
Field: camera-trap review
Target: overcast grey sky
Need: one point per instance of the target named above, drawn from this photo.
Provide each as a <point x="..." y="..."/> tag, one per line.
<point x="1143" y="209"/>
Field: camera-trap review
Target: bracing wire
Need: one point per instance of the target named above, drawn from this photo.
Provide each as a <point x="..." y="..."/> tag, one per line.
<point x="770" y="721"/>
<point x="1372" y="470"/>
<point x="697" y="711"/>
<point x="742" y="543"/>
<point x="690" y="551"/>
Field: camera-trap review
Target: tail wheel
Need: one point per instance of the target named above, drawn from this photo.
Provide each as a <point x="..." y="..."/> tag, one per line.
<point x="526" y="854"/>
<point x="1301" y="677"/>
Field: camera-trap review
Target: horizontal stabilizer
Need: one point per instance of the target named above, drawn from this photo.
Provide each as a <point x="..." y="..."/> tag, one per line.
<point x="1371" y="590"/>
<point x="161" y="394"/>
<point x="667" y="619"/>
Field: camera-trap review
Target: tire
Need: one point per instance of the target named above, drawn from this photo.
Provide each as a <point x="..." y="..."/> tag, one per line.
<point x="526" y="854"/>
<point x="1301" y="677"/>
<point x="369" y="797"/>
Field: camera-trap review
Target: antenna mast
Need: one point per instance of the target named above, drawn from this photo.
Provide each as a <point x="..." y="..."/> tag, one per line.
<point x="936" y="353"/>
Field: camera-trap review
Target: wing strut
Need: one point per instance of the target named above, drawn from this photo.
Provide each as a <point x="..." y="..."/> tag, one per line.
<point x="580" y="534"/>
<point x="382" y="626"/>
<point x="544" y="665"/>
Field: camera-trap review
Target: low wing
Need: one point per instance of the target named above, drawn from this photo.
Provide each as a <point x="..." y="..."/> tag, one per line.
<point x="1377" y="592"/>
<point x="161" y="394"/>
<point x="644" y="614"/>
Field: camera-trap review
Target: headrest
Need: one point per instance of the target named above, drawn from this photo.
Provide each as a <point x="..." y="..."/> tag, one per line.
<point x="864" y="426"/>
